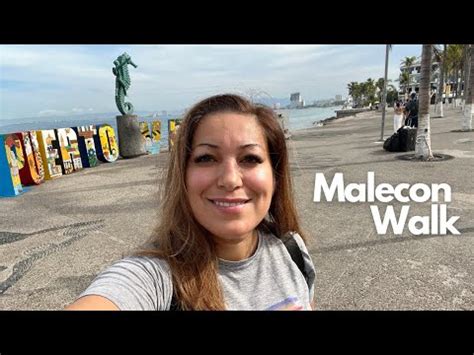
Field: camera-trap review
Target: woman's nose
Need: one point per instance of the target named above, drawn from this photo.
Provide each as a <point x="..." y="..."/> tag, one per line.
<point x="230" y="176"/>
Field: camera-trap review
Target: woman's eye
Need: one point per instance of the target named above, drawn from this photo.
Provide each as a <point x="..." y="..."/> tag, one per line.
<point x="252" y="159"/>
<point x="206" y="158"/>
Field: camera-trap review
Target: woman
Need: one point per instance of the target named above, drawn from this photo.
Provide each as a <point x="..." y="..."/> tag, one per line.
<point x="226" y="204"/>
<point x="398" y="116"/>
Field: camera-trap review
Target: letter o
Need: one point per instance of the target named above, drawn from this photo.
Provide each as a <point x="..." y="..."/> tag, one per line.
<point x="426" y="192"/>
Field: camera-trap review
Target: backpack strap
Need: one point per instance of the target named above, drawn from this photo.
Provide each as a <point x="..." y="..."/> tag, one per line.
<point x="174" y="306"/>
<point x="293" y="249"/>
<point x="296" y="254"/>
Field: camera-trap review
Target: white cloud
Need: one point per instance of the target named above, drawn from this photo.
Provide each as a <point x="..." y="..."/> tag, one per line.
<point x="73" y="79"/>
<point x="50" y="112"/>
<point x="79" y="110"/>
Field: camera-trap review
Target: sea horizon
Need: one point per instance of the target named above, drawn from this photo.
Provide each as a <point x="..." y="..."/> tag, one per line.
<point x="298" y="119"/>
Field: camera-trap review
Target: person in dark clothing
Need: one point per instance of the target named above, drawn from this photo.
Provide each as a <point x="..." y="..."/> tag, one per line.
<point x="411" y="111"/>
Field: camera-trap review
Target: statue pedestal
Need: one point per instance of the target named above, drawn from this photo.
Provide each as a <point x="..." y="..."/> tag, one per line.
<point x="131" y="142"/>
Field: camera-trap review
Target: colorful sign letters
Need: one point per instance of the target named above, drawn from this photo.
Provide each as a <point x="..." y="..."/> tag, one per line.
<point x="30" y="157"/>
<point x="173" y="126"/>
<point x="85" y="140"/>
<point x="146" y="134"/>
<point x="32" y="172"/>
<point x="155" y="137"/>
<point x="151" y="138"/>
<point x="69" y="149"/>
<point x="106" y="144"/>
<point x="49" y="151"/>
<point x="11" y="161"/>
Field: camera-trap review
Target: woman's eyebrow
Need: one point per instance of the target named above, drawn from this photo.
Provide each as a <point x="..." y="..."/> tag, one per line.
<point x="207" y="144"/>
<point x="250" y="145"/>
<point x="243" y="146"/>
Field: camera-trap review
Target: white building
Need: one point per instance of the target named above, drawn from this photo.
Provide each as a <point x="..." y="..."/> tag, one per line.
<point x="414" y="72"/>
<point x="296" y="101"/>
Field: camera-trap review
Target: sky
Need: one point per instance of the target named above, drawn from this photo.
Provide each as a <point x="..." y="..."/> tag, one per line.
<point x="49" y="80"/>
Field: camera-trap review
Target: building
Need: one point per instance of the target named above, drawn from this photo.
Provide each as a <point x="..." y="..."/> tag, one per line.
<point x="338" y="97"/>
<point x="296" y="101"/>
<point x="413" y="84"/>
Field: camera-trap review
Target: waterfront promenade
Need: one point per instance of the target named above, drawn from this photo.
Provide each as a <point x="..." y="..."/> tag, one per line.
<point x="56" y="237"/>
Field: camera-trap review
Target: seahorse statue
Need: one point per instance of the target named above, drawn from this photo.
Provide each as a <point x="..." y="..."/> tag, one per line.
<point x="122" y="83"/>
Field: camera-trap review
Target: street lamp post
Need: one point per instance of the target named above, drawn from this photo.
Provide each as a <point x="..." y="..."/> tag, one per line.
<point x="384" y="97"/>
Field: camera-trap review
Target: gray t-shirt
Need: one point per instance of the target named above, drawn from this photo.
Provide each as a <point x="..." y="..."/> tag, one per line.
<point x="268" y="280"/>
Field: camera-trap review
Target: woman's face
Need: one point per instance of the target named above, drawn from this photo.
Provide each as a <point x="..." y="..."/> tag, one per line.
<point x="229" y="176"/>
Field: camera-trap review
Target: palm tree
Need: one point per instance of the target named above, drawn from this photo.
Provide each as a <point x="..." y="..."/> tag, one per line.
<point x="423" y="136"/>
<point x="404" y="80"/>
<point x="380" y="84"/>
<point x="461" y="80"/>
<point x="408" y="61"/>
<point x="469" y="107"/>
<point x="405" y="77"/>
<point x="453" y="60"/>
<point x="466" y="67"/>
<point x="392" y="94"/>
<point x="439" y="96"/>
<point x="369" y="89"/>
<point x="355" y="91"/>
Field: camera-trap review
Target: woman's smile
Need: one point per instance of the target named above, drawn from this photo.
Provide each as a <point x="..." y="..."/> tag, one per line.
<point x="229" y="205"/>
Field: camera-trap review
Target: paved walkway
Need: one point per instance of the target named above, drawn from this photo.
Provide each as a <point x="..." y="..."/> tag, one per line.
<point x="55" y="238"/>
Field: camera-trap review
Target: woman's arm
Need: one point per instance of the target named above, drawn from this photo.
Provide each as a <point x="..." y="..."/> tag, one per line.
<point x="92" y="303"/>
<point x="132" y="283"/>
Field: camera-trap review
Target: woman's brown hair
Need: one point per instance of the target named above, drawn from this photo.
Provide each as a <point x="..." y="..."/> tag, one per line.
<point x="180" y="240"/>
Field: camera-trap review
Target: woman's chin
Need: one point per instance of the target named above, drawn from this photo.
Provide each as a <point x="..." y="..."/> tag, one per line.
<point x="232" y="234"/>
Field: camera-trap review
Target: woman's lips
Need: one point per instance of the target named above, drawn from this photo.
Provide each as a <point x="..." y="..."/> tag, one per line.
<point x="234" y="205"/>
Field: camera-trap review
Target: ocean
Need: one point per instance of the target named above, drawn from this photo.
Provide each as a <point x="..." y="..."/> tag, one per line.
<point x="298" y="119"/>
<point x="304" y="118"/>
<point x="40" y="123"/>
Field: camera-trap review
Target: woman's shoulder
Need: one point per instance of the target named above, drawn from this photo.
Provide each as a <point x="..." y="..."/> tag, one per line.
<point x="307" y="268"/>
<point x="148" y="272"/>
<point x="134" y="282"/>
<point x="272" y="239"/>
<point x="144" y="263"/>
